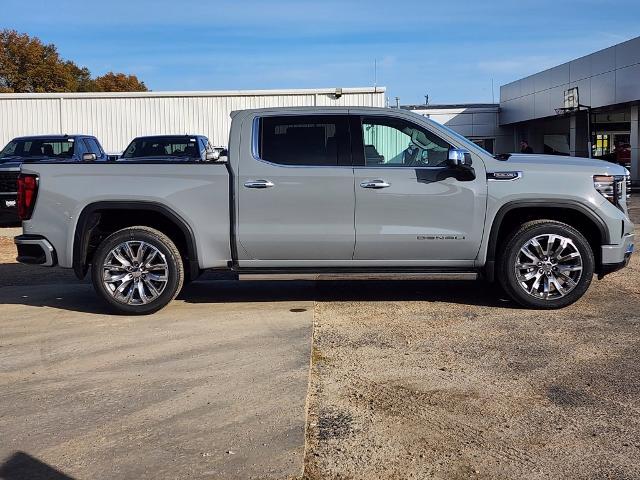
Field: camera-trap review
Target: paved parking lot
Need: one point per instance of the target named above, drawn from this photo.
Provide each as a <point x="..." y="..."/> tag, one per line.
<point x="207" y="388"/>
<point x="409" y="379"/>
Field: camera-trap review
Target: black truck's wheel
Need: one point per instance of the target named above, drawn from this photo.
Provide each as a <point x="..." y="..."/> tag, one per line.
<point x="137" y="270"/>
<point x="546" y="264"/>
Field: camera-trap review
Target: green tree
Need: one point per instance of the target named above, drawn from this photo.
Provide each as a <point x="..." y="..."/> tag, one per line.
<point x="27" y="65"/>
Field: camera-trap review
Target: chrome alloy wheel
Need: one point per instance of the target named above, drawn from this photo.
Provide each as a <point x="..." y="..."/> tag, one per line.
<point x="135" y="272"/>
<point x="548" y="266"/>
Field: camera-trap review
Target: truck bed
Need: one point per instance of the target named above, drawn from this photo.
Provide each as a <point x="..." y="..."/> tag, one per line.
<point x="196" y="192"/>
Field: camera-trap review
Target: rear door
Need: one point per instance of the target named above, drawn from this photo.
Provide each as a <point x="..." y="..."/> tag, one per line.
<point x="296" y="191"/>
<point x="410" y="206"/>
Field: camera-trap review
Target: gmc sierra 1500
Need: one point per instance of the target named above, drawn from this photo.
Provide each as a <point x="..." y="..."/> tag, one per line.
<point x="337" y="190"/>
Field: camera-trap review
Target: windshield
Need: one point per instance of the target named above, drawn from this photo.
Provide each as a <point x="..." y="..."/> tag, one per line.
<point x="38" y="147"/>
<point x="186" y="147"/>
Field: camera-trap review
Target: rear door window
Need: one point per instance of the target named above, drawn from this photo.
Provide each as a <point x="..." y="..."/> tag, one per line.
<point x="309" y="140"/>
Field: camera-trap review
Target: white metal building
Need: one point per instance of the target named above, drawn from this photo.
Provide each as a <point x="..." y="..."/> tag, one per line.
<point x="116" y="118"/>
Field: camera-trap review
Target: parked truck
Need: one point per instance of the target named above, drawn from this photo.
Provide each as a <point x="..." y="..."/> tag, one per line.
<point x="52" y="148"/>
<point x="345" y="191"/>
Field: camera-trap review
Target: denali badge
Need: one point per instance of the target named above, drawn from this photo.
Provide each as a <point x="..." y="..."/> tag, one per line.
<point x="504" y="175"/>
<point x="441" y="237"/>
<point x="10" y="203"/>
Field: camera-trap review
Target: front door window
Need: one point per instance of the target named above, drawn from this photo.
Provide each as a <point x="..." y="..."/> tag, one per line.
<point x="393" y="142"/>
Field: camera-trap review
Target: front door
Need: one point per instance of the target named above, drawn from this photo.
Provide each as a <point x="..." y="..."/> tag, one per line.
<point x="296" y="194"/>
<point x="411" y="206"/>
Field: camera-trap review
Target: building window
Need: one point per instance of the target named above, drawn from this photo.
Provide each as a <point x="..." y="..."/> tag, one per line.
<point x="486" y="143"/>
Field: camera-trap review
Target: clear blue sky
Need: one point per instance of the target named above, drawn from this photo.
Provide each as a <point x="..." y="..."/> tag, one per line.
<point x="450" y="50"/>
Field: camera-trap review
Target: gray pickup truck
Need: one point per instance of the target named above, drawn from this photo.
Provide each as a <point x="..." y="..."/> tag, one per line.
<point x="346" y="191"/>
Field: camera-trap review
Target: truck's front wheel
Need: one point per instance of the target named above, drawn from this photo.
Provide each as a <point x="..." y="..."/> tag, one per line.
<point x="546" y="264"/>
<point x="137" y="270"/>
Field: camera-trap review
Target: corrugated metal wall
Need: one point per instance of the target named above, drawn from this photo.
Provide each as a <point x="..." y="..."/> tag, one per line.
<point x="115" y="118"/>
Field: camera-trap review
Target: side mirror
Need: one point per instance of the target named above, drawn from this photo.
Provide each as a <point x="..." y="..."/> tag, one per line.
<point x="218" y="155"/>
<point x="89" y="157"/>
<point x="459" y="157"/>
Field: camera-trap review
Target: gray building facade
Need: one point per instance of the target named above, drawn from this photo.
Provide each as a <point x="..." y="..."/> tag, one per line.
<point x="608" y="88"/>
<point x="478" y="121"/>
<point x="608" y="83"/>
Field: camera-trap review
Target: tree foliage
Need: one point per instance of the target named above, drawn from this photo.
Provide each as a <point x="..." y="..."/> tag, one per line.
<point x="118" y="82"/>
<point x="29" y="66"/>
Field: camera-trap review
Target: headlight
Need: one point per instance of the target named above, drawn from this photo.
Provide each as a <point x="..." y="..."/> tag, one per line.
<point x="612" y="187"/>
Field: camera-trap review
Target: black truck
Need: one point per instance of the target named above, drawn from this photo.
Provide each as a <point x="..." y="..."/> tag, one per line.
<point x="63" y="148"/>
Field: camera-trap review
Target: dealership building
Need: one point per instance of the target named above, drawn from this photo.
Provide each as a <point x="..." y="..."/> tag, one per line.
<point x="605" y="84"/>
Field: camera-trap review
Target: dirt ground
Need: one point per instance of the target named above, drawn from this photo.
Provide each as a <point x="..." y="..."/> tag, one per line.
<point x="448" y="380"/>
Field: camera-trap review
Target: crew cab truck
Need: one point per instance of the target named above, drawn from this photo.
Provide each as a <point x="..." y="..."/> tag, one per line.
<point x="346" y="191"/>
<point x="52" y="148"/>
<point x="168" y="148"/>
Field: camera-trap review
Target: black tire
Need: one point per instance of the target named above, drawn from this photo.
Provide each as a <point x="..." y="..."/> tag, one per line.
<point x="506" y="268"/>
<point x="169" y="257"/>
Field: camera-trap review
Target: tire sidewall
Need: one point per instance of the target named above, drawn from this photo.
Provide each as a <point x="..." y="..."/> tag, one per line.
<point x="164" y="245"/>
<point x="508" y="277"/>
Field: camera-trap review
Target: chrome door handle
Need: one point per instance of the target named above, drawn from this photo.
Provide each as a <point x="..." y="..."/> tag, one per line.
<point x="375" y="184"/>
<point x="258" y="184"/>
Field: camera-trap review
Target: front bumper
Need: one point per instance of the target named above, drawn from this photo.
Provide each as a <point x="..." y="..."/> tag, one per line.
<point x="615" y="257"/>
<point x="35" y="250"/>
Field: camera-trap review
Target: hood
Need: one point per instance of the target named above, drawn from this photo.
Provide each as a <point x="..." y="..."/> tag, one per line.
<point x="531" y="161"/>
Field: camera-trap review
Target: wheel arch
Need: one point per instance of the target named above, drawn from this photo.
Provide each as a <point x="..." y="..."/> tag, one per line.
<point x="515" y="213"/>
<point x="121" y="214"/>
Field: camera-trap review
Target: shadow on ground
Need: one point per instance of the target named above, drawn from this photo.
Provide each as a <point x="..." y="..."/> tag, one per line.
<point x="215" y="288"/>
<point x="21" y="466"/>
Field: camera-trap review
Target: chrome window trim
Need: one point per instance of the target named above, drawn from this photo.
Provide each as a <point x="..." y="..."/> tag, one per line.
<point x="255" y="140"/>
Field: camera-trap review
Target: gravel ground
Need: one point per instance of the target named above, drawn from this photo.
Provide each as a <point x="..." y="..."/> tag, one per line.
<point x="447" y="380"/>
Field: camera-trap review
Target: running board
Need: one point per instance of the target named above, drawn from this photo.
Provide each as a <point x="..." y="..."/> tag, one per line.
<point x="355" y="274"/>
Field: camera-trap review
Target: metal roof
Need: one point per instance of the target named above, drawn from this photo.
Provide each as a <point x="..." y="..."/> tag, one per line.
<point x="194" y="93"/>
<point x="445" y="106"/>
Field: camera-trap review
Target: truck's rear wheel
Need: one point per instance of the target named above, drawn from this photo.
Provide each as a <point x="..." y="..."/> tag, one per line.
<point x="546" y="264"/>
<point x="137" y="270"/>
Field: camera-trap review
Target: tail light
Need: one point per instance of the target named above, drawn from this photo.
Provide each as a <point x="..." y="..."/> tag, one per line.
<point x="27" y="193"/>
